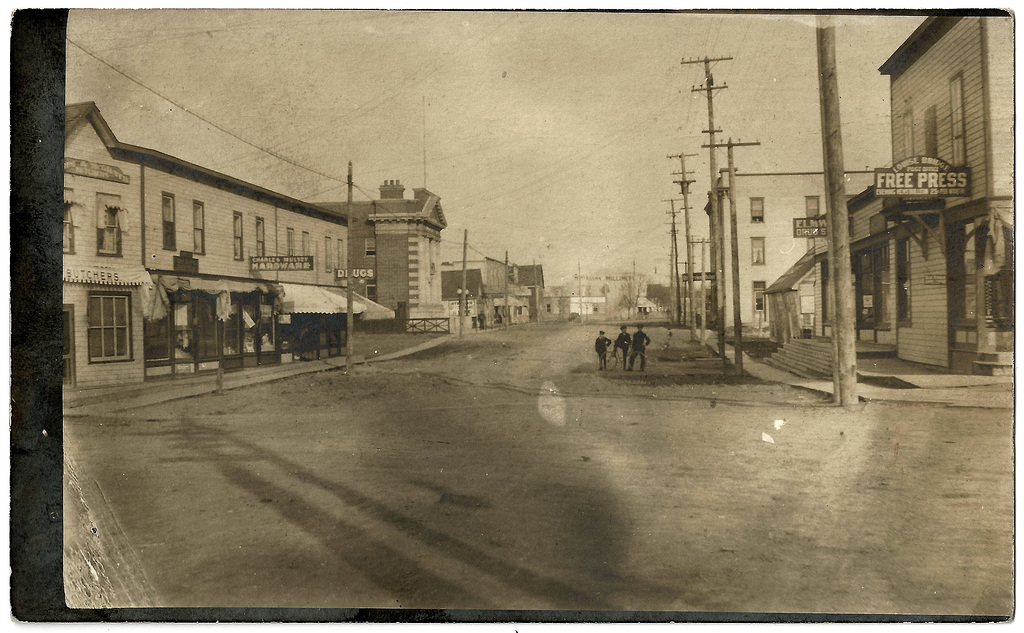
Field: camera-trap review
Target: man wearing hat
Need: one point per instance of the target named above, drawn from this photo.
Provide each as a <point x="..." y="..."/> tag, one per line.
<point x="622" y="342"/>
<point x="601" y="347"/>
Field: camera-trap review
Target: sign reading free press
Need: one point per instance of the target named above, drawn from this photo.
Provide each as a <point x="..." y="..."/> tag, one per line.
<point x="922" y="177"/>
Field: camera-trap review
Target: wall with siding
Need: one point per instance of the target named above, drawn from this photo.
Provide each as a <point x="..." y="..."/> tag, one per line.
<point x="999" y="44"/>
<point x="926" y="83"/>
<point x="92" y="374"/>
<point x="84" y="144"/>
<point x="926" y="340"/>
<point x="784" y="199"/>
<point x="220" y="207"/>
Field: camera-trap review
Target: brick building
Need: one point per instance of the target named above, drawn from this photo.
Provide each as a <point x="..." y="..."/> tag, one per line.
<point x="396" y="249"/>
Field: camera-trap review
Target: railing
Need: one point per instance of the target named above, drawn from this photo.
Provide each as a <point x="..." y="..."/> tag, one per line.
<point x="439" y="325"/>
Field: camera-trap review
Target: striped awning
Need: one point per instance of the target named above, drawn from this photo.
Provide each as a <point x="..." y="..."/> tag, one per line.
<point x="105" y="275"/>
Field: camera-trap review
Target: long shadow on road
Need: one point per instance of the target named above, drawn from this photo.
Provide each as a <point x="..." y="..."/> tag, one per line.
<point x="384" y="565"/>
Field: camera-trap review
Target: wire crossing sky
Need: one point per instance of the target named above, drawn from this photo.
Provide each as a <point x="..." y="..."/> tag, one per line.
<point x="545" y="134"/>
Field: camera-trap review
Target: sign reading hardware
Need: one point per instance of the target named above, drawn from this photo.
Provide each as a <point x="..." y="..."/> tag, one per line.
<point x="357" y="273"/>
<point x="810" y="227"/>
<point x="281" y="262"/>
<point x="922" y="177"/>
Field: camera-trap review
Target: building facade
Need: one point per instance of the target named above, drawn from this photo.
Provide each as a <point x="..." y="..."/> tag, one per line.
<point x="173" y="269"/>
<point x="766" y="206"/>
<point x="396" y="252"/>
<point x="932" y="237"/>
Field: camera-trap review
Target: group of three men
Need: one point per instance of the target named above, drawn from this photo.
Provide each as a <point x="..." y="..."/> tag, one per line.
<point x="638" y="343"/>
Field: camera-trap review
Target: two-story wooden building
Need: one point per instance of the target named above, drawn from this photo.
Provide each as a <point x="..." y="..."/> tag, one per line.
<point x="171" y="268"/>
<point x="932" y="238"/>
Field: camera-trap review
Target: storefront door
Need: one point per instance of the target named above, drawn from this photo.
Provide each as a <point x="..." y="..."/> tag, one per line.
<point x="872" y="284"/>
<point x="68" y="373"/>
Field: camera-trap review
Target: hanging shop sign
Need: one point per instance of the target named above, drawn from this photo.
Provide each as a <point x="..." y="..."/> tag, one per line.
<point x="922" y="177"/>
<point x="281" y="262"/>
<point x="357" y="273"/>
<point x="810" y="227"/>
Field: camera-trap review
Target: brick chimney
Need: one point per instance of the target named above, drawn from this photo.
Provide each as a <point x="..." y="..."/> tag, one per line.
<point x="392" y="190"/>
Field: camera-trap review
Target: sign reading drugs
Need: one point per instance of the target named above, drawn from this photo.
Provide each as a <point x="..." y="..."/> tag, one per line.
<point x="922" y="177"/>
<point x="810" y="227"/>
<point x="358" y="273"/>
<point x="281" y="262"/>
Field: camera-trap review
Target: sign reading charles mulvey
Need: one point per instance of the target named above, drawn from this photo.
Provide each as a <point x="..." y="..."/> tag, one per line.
<point x="922" y="177"/>
<point x="281" y="262"/>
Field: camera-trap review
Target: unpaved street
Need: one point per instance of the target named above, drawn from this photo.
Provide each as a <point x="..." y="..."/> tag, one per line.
<point x="505" y="472"/>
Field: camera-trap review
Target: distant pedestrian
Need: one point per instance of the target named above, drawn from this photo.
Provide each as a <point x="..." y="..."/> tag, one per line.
<point x="601" y="347"/>
<point x="622" y="342"/>
<point x="640" y="343"/>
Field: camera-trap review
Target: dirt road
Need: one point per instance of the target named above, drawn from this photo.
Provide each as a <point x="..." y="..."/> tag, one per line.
<point x="506" y="472"/>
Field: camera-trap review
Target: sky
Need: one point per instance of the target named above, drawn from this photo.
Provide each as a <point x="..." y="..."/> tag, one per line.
<point x="546" y="135"/>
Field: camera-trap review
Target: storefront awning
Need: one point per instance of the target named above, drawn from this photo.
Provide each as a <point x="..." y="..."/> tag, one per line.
<point x="212" y="286"/>
<point x="105" y="275"/>
<point x="373" y="311"/>
<point x="299" y="299"/>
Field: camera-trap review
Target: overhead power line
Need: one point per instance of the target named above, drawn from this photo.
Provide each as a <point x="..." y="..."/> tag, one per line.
<point x="213" y="124"/>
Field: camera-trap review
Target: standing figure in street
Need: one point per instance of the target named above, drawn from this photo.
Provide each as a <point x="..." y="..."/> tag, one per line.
<point x="622" y="342"/>
<point x="640" y="343"/>
<point x="601" y="347"/>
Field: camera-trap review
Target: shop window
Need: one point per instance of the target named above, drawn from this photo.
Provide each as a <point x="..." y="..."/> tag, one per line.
<point x="371" y="292"/>
<point x="328" y="264"/>
<point x="232" y="330"/>
<point x="109" y="327"/>
<point x="903" y="280"/>
<point x="812" y="206"/>
<point x="261" y="243"/>
<point x="239" y="250"/>
<point x="205" y="330"/>
<point x="757" y="210"/>
<point x="182" y="312"/>
<point x="290" y="241"/>
<point x="757" y="251"/>
<point x="156" y="339"/>
<point x="69" y="223"/>
<point x="931" y="132"/>
<point x="108" y="224"/>
<point x="266" y="324"/>
<point x="962" y="274"/>
<point x="167" y="213"/>
<point x="759" y="288"/>
<point x="956" y="109"/>
<point x="305" y="242"/>
<point x="371" y="247"/>
<point x="198" y="228"/>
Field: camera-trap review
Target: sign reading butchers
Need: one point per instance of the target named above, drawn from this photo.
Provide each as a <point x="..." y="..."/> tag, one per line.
<point x="922" y="177"/>
<point x="281" y="262"/>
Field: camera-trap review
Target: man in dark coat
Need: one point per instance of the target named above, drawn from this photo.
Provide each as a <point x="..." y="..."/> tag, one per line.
<point x="601" y="347"/>
<point x="640" y="343"/>
<point x="622" y="342"/>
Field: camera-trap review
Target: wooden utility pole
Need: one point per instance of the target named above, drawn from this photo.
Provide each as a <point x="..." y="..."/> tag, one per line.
<point x="684" y="188"/>
<point x="349" y="280"/>
<point x="737" y="322"/>
<point x="716" y="207"/>
<point x="843" y="332"/>
<point x="463" y="299"/>
<point x="703" y="282"/>
<point x="675" y="264"/>
<point x="579" y="281"/>
<point x="508" y="312"/>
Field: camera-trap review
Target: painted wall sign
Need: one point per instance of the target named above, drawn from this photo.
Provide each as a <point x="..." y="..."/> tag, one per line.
<point x="90" y="169"/>
<point x="92" y="276"/>
<point x="810" y="227"/>
<point x="281" y="262"/>
<point x="922" y="177"/>
<point x="357" y="273"/>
